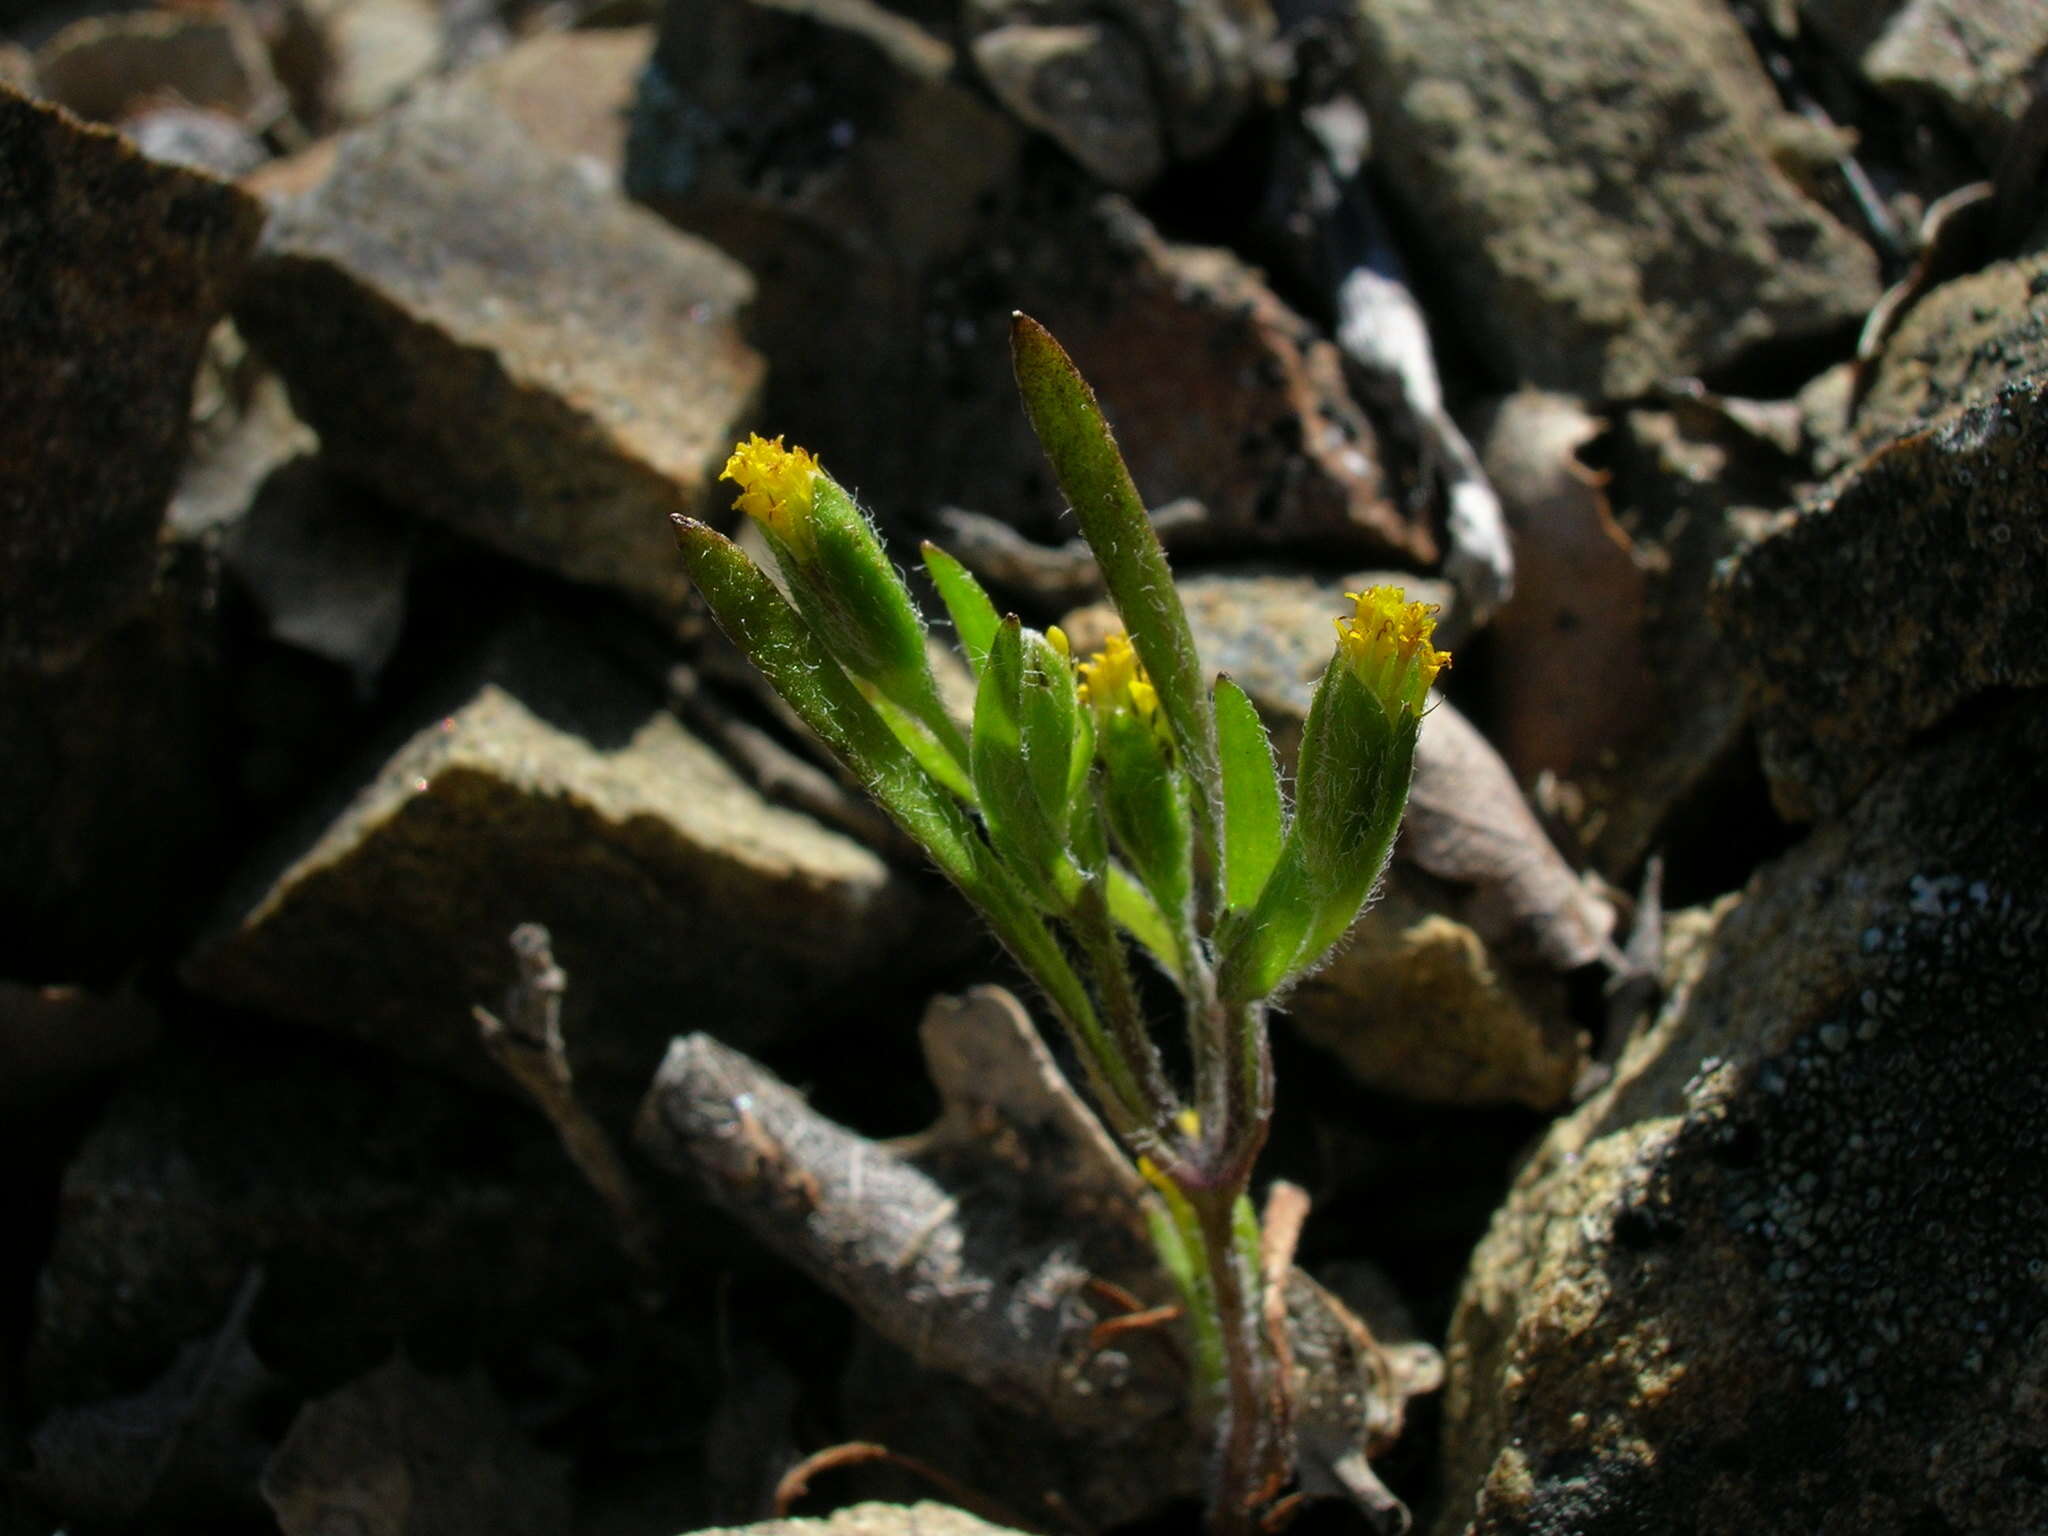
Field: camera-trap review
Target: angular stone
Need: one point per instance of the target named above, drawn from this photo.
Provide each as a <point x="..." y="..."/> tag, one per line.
<point x="1593" y="184"/>
<point x="559" y="793"/>
<point x="572" y="92"/>
<point x="1919" y="578"/>
<point x="116" y="267"/>
<point x="483" y="337"/>
<point x="1784" y="1271"/>
<point x="1974" y="58"/>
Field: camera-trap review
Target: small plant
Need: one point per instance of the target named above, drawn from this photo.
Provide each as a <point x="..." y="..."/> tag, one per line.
<point x="1095" y="806"/>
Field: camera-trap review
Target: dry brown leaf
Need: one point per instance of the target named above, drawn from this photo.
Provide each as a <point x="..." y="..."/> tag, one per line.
<point x="1571" y="684"/>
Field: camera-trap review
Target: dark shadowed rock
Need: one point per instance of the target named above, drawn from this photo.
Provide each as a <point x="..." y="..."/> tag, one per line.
<point x="1919" y="579"/>
<point x="384" y="1206"/>
<point x="557" y="792"/>
<point x="116" y="268"/>
<point x="1785" y="1271"/>
<point x="116" y="777"/>
<point x="1596" y="187"/>
<point x="402" y="1453"/>
<point x="1970" y="59"/>
<point x="482" y="336"/>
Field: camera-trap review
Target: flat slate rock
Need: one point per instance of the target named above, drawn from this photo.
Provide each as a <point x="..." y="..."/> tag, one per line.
<point x="486" y="337"/>
<point x="556" y="792"/>
<point x="1918" y="579"/>
<point x="1784" y="1272"/>
<point x="1594" y="185"/>
<point x="116" y="268"/>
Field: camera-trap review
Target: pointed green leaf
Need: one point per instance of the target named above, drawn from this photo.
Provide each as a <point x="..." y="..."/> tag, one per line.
<point x="1009" y="797"/>
<point x="1138" y="915"/>
<point x="1097" y="484"/>
<point x="1252" y="819"/>
<point x="974" y="616"/>
<point x="797" y="663"/>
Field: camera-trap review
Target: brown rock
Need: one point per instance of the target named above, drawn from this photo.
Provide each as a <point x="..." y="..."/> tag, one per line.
<point x="1783" y="1272"/>
<point x="1919" y="578"/>
<point x="1593" y="184"/>
<point x="483" y="337"/>
<point x="116" y="269"/>
<point x="560" y="794"/>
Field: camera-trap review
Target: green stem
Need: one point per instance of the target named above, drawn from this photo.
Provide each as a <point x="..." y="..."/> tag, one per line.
<point x="1104" y="949"/>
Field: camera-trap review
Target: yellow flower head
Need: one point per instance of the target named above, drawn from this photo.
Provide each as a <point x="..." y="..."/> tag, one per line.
<point x="1113" y="679"/>
<point x="776" y="486"/>
<point x="1385" y="640"/>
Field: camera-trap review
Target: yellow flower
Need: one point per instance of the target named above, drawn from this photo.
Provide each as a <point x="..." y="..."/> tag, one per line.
<point x="1114" y="679"/>
<point x="1385" y="640"/>
<point x="777" y="485"/>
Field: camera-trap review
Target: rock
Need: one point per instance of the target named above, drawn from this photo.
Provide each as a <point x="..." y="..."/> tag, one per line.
<point x="828" y="150"/>
<point x="116" y="779"/>
<point x="1956" y="347"/>
<point x="18" y="69"/>
<point x="481" y="336"/>
<point x="556" y="791"/>
<point x="1416" y="1005"/>
<point x="1480" y="914"/>
<point x="874" y="1520"/>
<point x="401" y="1453"/>
<point x="1128" y="87"/>
<point x="1085" y="85"/>
<point x="1592" y="184"/>
<point x="1219" y="391"/>
<point x="1783" y="1272"/>
<point x="382" y="1204"/>
<point x="572" y="93"/>
<point x="117" y="268"/>
<point x="1973" y="59"/>
<point x="1919" y="578"/>
<point x="110" y="68"/>
<point x="371" y="54"/>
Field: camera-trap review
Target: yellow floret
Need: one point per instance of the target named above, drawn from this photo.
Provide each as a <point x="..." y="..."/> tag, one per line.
<point x="776" y="485"/>
<point x="1113" y="678"/>
<point x="1386" y="641"/>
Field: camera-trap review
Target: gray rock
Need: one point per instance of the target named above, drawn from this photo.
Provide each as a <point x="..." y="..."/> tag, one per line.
<point x="372" y="53"/>
<point x="572" y="93"/>
<point x="1594" y="185"/>
<point x="483" y="337"/>
<point x="1129" y="87"/>
<point x="117" y="268"/>
<point x="1971" y="58"/>
<point x="561" y="794"/>
<point x="1919" y="578"/>
<point x="1784" y="1271"/>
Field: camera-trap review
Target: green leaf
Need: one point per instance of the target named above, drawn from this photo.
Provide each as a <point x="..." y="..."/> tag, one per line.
<point x="1138" y="915"/>
<point x="1008" y="794"/>
<point x="974" y="616"/>
<point x="1252" y="819"/>
<point x="770" y="633"/>
<point x="798" y="665"/>
<point x="1097" y="484"/>
<point x="1049" y="713"/>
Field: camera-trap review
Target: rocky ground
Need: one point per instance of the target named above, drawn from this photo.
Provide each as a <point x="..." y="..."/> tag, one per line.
<point x="1674" y="1119"/>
